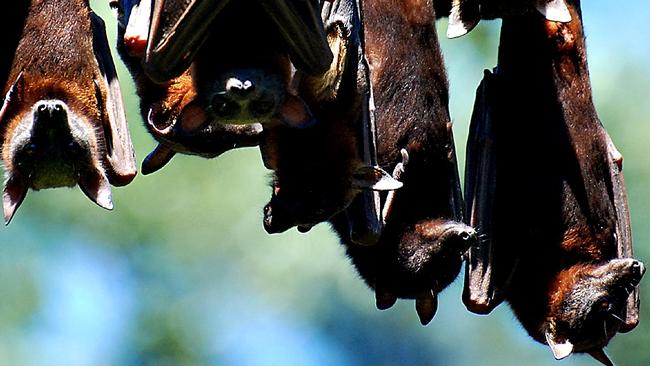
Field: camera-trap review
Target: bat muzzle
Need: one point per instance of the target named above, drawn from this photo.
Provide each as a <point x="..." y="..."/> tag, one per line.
<point x="50" y="152"/>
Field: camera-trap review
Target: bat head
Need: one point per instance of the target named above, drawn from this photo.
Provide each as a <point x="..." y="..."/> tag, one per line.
<point x="429" y="256"/>
<point x="588" y="304"/>
<point x="52" y="139"/>
<point x="308" y="202"/>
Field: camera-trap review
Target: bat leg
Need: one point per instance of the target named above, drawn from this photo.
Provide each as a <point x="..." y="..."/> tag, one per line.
<point x="398" y="171"/>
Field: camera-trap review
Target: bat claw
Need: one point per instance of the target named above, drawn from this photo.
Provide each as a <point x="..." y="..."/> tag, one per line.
<point x="426" y="305"/>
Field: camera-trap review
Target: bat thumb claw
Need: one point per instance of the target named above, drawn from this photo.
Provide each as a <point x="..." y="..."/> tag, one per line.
<point x="554" y="10"/>
<point x="14" y="194"/>
<point x="426" y="305"/>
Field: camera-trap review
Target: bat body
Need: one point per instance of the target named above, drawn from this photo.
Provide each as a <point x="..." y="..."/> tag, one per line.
<point x="212" y="65"/>
<point x="544" y="187"/>
<point x="419" y="251"/>
<point x="62" y="119"/>
<point x="319" y="170"/>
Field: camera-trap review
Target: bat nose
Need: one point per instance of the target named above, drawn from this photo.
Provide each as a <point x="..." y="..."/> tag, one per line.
<point x="240" y="88"/>
<point x="50" y="110"/>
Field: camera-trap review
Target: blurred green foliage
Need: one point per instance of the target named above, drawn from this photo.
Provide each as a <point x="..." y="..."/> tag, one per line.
<point x="182" y="272"/>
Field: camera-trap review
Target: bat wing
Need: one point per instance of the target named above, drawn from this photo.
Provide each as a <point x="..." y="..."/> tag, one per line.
<point x="482" y="291"/>
<point x="301" y="27"/>
<point x="179" y="28"/>
<point x="120" y="157"/>
<point x="363" y="215"/>
<point x="623" y="229"/>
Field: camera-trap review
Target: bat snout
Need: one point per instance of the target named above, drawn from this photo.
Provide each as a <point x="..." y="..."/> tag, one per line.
<point x="50" y="115"/>
<point x="238" y="88"/>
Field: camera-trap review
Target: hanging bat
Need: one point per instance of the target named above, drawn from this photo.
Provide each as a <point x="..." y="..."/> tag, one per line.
<point x="63" y="122"/>
<point x="318" y="171"/>
<point x="420" y="249"/>
<point x="544" y="186"/>
<point x="465" y="14"/>
<point x="193" y="97"/>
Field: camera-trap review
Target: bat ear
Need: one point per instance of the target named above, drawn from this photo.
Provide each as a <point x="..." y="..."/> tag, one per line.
<point x="560" y="350"/>
<point x="554" y="10"/>
<point x="96" y="186"/>
<point x="14" y="194"/>
<point x="374" y="178"/>
<point x="463" y="18"/>
<point x="295" y="113"/>
<point x="120" y="159"/>
<point x="157" y="159"/>
<point x="601" y="357"/>
<point x="14" y="93"/>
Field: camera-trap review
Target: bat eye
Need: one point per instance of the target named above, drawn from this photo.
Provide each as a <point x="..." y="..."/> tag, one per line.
<point x="604" y="306"/>
<point x="30" y="149"/>
<point x="465" y="236"/>
<point x="262" y="107"/>
<point x="224" y="107"/>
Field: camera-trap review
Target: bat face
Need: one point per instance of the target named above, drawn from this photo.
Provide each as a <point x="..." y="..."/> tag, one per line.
<point x="588" y="305"/>
<point x="51" y="144"/>
<point x="63" y="120"/>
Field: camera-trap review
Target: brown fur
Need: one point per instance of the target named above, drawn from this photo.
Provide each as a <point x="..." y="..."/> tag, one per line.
<point x="554" y="215"/>
<point x="420" y="250"/>
<point x="313" y="167"/>
<point x="61" y="67"/>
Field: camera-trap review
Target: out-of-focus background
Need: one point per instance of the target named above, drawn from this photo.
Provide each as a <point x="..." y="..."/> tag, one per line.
<point x="182" y="272"/>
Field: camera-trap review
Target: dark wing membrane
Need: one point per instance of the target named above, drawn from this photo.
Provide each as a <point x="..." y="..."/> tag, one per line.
<point x="300" y="25"/>
<point x="178" y="29"/>
<point x="623" y="229"/>
<point x="364" y="213"/>
<point x="120" y="159"/>
<point x="12" y="20"/>
<point x="481" y="290"/>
